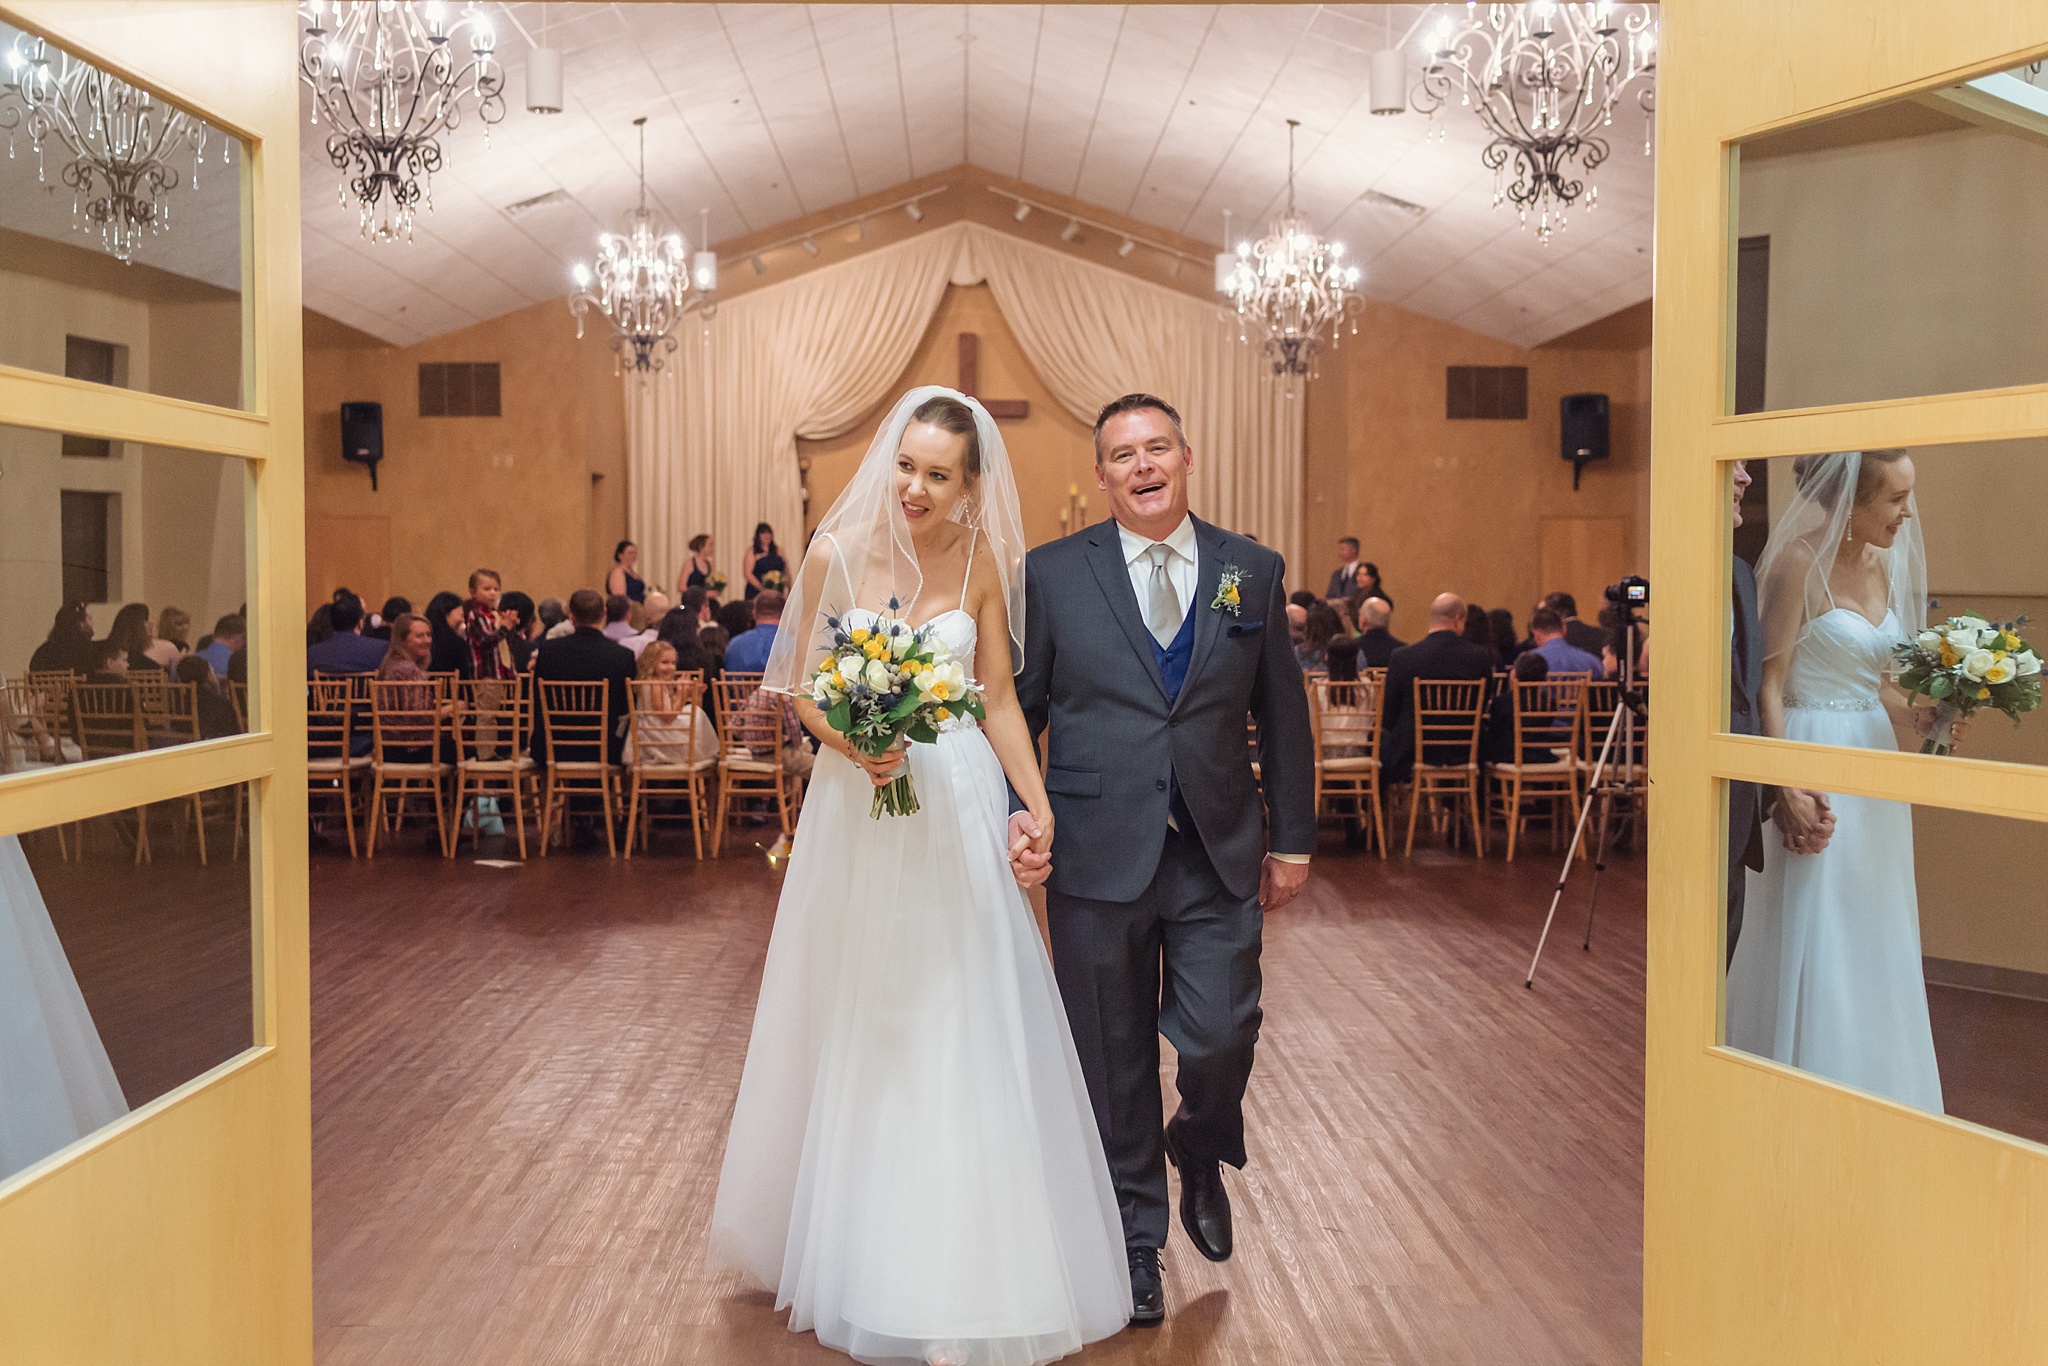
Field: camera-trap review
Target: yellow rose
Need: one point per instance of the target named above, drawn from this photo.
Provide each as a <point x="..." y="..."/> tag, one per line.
<point x="1948" y="655"/>
<point x="860" y="635"/>
<point x="875" y="649"/>
<point x="1230" y="593"/>
<point x="939" y="691"/>
<point x="2003" y="671"/>
<point x="943" y="714"/>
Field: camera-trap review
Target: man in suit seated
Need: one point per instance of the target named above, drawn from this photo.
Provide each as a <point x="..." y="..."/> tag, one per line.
<point x="1577" y="634"/>
<point x="1442" y="655"/>
<point x="585" y="656"/>
<point x="1376" y="644"/>
<point x="348" y="650"/>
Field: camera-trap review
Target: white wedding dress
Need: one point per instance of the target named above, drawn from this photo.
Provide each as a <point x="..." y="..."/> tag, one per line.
<point x="913" y="1165"/>
<point x="56" y="1085"/>
<point x="1827" y="974"/>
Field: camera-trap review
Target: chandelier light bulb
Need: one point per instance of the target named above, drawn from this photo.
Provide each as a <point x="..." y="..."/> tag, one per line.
<point x="580" y="273"/>
<point x="645" y="281"/>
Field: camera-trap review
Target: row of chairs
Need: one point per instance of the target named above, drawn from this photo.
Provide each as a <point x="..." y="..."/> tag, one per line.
<point x="382" y="746"/>
<point x="1559" y="725"/>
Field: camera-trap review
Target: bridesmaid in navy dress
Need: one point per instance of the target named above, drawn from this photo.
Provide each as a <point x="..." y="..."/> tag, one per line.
<point x="764" y="557"/>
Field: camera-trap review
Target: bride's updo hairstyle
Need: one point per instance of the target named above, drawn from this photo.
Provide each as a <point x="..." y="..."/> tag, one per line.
<point x="1869" y="472"/>
<point x="951" y="415"/>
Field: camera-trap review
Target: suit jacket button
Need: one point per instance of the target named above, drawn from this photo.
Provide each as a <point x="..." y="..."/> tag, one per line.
<point x="1161" y="784"/>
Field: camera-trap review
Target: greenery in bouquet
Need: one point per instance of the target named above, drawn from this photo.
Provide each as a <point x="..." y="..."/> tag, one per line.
<point x="775" y="579"/>
<point x="884" y="682"/>
<point x="1967" y="663"/>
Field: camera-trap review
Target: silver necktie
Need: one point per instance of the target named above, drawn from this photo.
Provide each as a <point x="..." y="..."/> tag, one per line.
<point x="1162" y="604"/>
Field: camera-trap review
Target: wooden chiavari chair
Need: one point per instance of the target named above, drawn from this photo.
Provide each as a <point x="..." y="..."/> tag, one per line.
<point x="1623" y="783"/>
<point x="407" y="725"/>
<point x="1348" y="719"/>
<point x="750" y="752"/>
<point x="108" y="724"/>
<point x="177" y="723"/>
<point x="35" y="723"/>
<point x="333" y="768"/>
<point x="1447" y="727"/>
<point x="1548" y="717"/>
<point x="576" y="718"/>
<point x="663" y="762"/>
<point x="493" y="731"/>
<point x="238" y="698"/>
<point x="444" y="681"/>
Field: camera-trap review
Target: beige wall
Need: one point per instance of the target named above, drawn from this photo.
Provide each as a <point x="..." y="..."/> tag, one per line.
<point x="537" y="494"/>
<point x="1470" y="506"/>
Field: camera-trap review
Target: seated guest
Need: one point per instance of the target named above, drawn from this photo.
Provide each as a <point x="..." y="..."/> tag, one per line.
<point x="1546" y="628"/>
<point x="446" y="619"/>
<point x="797" y="756"/>
<point x="663" y="734"/>
<point x="131" y="632"/>
<point x="320" y="625"/>
<point x="1303" y="599"/>
<point x="379" y="626"/>
<point x="1497" y="735"/>
<point x="67" y="644"/>
<point x="737" y="618"/>
<point x="106" y="662"/>
<point x="1479" y="627"/>
<point x="1577" y="633"/>
<point x="230" y="635"/>
<point x="1341" y="664"/>
<point x="405" y="661"/>
<point x="486" y="628"/>
<point x="1297" y="627"/>
<point x="1504" y="646"/>
<point x="172" y="643"/>
<point x="1376" y="644"/>
<point x="347" y="651"/>
<point x="1319" y="627"/>
<point x="1442" y="655"/>
<point x="654" y="607"/>
<point x="216" y="713"/>
<point x="585" y="655"/>
<point x="618" y="610"/>
<point x="681" y="627"/>
<point x="1345" y="576"/>
<point x="1345" y="613"/>
<point x="525" y="627"/>
<point x="748" y="652"/>
<point x="554" y="619"/>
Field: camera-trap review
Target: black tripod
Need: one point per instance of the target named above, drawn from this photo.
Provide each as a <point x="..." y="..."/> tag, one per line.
<point x="1604" y="789"/>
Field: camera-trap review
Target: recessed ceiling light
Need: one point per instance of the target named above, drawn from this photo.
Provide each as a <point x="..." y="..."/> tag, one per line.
<point x="1127" y="248"/>
<point x="810" y="246"/>
<point x="916" y="213"/>
<point x="1023" y="211"/>
<point x="1071" y="231"/>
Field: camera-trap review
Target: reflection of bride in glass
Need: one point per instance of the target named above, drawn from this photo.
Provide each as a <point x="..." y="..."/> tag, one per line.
<point x="1827" y="975"/>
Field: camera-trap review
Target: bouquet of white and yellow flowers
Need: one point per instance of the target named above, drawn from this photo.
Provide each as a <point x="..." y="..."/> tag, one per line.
<point x="1966" y="663"/>
<point x="776" y="580"/>
<point x="883" y="681"/>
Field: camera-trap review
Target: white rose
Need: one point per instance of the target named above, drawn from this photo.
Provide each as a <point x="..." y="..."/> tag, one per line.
<point x="1977" y="663"/>
<point x="2028" y="663"/>
<point x="1962" y="642"/>
<point x="851" y="666"/>
<point x="2001" y="671"/>
<point x="1930" y="640"/>
<point x="878" y="676"/>
<point x="1988" y="636"/>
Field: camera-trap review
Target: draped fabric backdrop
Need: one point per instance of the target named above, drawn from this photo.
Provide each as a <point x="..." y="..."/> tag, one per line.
<point x="711" y="438"/>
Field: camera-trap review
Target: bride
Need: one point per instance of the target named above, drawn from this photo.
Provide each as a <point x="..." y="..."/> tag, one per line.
<point x="913" y="1165"/>
<point x="1827" y="974"/>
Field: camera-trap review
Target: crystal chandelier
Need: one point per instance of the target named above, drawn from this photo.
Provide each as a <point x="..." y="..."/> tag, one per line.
<point x="1292" y="284"/>
<point x="1544" y="77"/>
<point x="384" y="76"/>
<point x="118" y="138"/>
<point x="645" y="281"/>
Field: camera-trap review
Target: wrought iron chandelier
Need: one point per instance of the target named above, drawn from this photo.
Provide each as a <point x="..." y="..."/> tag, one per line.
<point x="1544" y="77"/>
<point x="645" y="282"/>
<point x="118" y="138"/>
<point x="384" y="76"/>
<point x="1292" y="285"/>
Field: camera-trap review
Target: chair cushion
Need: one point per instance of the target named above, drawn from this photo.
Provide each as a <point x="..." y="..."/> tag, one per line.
<point x="522" y="763"/>
<point x="733" y="764"/>
<point x="1357" y="763"/>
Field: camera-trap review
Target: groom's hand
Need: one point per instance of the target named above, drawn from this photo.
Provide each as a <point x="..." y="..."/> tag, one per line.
<point x="1030" y="860"/>
<point x="1280" y="882"/>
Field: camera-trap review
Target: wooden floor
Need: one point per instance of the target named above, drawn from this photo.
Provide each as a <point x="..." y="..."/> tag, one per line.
<point x="522" y="1080"/>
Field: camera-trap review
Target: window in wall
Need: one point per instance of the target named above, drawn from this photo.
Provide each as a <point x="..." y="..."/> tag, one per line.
<point x="1496" y="392"/>
<point x="459" y="389"/>
<point x="96" y="362"/>
<point x="91" y="529"/>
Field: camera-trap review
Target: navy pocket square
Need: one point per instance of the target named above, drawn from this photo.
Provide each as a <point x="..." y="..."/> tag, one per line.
<point x="1245" y="628"/>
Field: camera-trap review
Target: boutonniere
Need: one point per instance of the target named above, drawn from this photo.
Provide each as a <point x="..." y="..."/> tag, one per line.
<point x="1227" y="598"/>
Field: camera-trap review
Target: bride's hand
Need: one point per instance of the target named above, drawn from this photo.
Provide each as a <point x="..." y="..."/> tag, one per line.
<point x="884" y="768"/>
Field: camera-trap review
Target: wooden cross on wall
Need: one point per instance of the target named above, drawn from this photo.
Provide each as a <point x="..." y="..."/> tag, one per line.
<point x="1001" y="409"/>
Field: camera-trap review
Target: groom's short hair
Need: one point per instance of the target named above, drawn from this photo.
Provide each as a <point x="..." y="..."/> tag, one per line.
<point x="1131" y="403"/>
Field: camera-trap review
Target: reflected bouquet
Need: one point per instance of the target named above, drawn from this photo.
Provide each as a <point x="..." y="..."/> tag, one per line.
<point x="1965" y="663"/>
<point x="884" y="681"/>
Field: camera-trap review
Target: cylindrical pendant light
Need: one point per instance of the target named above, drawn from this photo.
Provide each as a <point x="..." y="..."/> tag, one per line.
<point x="1389" y="81"/>
<point x="544" y="80"/>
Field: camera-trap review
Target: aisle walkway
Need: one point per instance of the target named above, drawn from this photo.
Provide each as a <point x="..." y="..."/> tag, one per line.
<point x="522" y="1077"/>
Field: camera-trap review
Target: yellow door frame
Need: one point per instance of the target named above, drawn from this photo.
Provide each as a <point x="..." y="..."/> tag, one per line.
<point x="183" y="1233"/>
<point x="1787" y="1218"/>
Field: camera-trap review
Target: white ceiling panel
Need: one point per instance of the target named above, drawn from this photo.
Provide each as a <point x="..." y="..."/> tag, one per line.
<point x="1172" y="113"/>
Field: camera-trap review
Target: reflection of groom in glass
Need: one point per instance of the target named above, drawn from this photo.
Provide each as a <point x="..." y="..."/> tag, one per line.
<point x="1803" y="818"/>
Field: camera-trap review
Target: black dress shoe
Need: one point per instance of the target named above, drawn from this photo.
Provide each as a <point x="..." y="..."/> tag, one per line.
<point x="1148" y="1294"/>
<point x="1204" y="1204"/>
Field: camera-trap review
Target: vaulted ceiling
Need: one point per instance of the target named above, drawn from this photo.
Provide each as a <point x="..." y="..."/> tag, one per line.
<point x="1169" y="114"/>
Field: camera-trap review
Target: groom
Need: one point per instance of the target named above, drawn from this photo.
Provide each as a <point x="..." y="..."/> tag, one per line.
<point x="1148" y="639"/>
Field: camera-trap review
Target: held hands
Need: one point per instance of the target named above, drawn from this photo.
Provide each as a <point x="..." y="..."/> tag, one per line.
<point x="1280" y="882"/>
<point x="1030" y="847"/>
<point x="1805" y="818"/>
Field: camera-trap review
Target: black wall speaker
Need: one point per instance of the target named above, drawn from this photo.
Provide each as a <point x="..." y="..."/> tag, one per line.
<point x="1582" y="418"/>
<point x="362" y="435"/>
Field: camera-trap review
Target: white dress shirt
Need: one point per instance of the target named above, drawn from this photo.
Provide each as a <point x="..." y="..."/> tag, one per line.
<point x="1181" y="569"/>
<point x="1183" y="572"/>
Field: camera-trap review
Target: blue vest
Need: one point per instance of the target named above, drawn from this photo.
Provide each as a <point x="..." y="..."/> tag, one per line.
<point x="1173" y="660"/>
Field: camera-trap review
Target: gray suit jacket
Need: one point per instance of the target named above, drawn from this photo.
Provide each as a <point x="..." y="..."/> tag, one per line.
<point x="1090" y="673"/>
